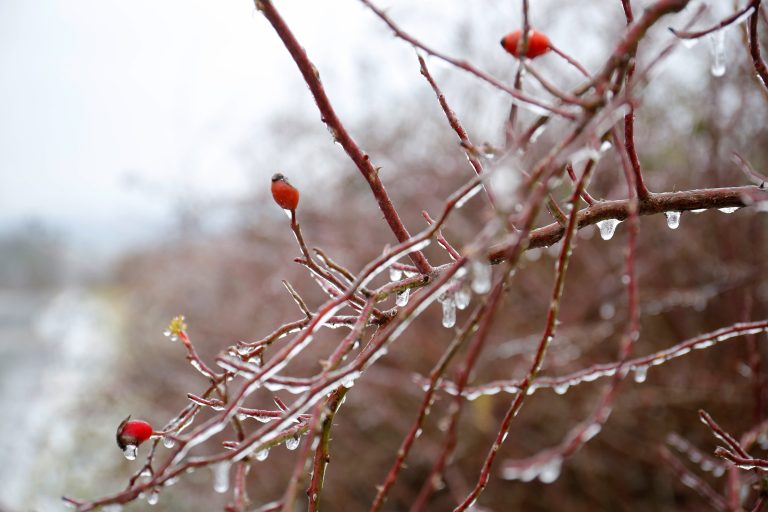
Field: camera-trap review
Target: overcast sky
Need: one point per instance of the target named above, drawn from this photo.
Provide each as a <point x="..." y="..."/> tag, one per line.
<point x="111" y="110"/>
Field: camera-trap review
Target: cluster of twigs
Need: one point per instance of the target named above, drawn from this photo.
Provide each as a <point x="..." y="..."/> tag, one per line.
<point x="600" y="117"/>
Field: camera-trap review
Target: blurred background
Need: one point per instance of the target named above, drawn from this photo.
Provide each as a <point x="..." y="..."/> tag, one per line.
<point x="136" y="144"/>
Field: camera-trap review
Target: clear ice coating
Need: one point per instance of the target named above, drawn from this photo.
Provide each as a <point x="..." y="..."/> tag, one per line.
<point x="481" y="276"/>
<point x="550" y="471"/>
<point x="607" y="228"/>
<point x="292" y="442"/>
<point x="401" y="298"/>
<point x="729" y="209"/>
<point x="221" y="476"/>
<point x="130" y="451"/>
<point x="673" y="219"/>
<point x="449" y="310"/>
<point x="717" y="47"/>
<point x="395" y="274"/>
<point x="463" y="296"/>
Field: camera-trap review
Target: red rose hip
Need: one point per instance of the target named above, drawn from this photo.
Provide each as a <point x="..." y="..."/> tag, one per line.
<point x="538" y="43"/>
<point x="130" y="434"/>
<point x="285" y="194"/>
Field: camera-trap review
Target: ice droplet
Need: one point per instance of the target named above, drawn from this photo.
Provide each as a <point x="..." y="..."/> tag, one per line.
<point x="449" y="311"/>
<point x="168" y="442"/>
<point x="561" y="389"/>
<point x="170" y="335"/>
<point x="153" y="497"/>
<point x="550" y="471"/>
<point x="221" y="476"/>
<point x="717" y="47"/>
<point x="607" y="227"/>
<point x="729" y="209"/>
<point x="292" y="442"/>
<point x="481" y="276"/>
<point x="401" y="297"/>
<point x="130" y="451"/>
<point x="607" y="310"/>
<point x="395" y="274"/>
<point x="463" y="296"/>
<point x="262" y="454"/>
<point x="641" y="372"/>
<point x="673" y="219"/>
<point x="690" y="43"/>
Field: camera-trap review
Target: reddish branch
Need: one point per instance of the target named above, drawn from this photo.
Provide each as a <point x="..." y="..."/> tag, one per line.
<point x="707" y="199"/>
<point x="339" y="131"/>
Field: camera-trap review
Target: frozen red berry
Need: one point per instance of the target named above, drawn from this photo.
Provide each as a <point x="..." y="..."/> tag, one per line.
<point x="130" y="434"/>
<point x="538" y="43"/>
<point x="285" y="194"/>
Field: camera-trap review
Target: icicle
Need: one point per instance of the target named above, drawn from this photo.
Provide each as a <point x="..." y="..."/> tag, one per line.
<point x="463" y="296"/>
<point x="130" y="451"/>
<point x="221" y="476"/>
<point x="717" y="42"/>
<point x="481" y="276"/>
<point x="153" y="497"/>
<point x="607" y="227"/>
<point x="449" y="310"/>
<point x="401" y="297"/>
<point x="673" y="219"/>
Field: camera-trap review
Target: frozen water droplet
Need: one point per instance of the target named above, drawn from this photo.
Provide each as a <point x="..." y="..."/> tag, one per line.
<point x="449" y="311"/>
<point x="168" y="442"/>
<point x="463" y="296"/>
<point x="221" y="476"/>
<point x="481" y="276"/>
<point x="673" y="219"/>
<point x="607" y="227"/>
<point x="401" y="298"/>
<point x="717" y="46"/>
<point x="729" y="209"/>
<point x="607" y="310"/>
<point x="395" y="274"/>
<point x="605" y="146"/>
<point x="292" y="442"/>
<point x="130" y="451"/>
<point x="641" y="372"/>
<point x="561" y="389"/>
<point x="689" y="43"/>
<point x="262" y="454"/>
<point x="348" y="382"/>
<point x="550" y="471"/>
<point x="153" y="497"/>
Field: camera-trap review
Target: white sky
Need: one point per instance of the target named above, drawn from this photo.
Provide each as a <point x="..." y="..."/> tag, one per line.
<point x="94" y="91"/>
